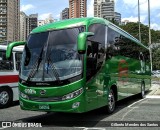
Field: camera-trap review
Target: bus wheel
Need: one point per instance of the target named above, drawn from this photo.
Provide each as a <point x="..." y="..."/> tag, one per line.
<point x="111" y="102"/>
<point x="5" y="97"/>
<point x="142" y="94"/>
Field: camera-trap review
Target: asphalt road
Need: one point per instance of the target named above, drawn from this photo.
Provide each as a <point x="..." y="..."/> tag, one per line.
<point x="130" y="109"/>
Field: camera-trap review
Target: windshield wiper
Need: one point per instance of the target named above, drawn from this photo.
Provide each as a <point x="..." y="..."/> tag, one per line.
<point x="53" y="68"/>
<point x="36" y="65"/>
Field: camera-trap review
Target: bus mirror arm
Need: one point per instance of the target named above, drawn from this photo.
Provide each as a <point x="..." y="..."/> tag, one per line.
<point x="82" y="39"/>
<point x="11" y="46"/>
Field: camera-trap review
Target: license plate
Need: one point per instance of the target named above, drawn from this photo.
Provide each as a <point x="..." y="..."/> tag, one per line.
<point x="44" y="107"/>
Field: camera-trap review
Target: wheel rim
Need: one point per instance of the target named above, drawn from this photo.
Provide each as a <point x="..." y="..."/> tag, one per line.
<point x="111" y="101"/>
<point x="4" y="97"/>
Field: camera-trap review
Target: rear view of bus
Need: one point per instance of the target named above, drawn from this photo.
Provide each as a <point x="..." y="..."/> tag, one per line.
<point x="64" y="68"/>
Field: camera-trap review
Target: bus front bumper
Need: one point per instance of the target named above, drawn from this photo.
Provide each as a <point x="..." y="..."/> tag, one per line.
<point x="76" y="105"/>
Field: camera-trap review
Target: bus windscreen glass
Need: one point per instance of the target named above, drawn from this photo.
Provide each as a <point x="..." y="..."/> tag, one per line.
<point x="51" y="56"/>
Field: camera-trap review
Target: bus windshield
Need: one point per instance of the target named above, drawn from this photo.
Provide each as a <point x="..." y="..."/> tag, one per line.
<point x="51" y="56"/>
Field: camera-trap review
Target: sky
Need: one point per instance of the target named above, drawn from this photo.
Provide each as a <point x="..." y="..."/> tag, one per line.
<point x="127" y="8"/>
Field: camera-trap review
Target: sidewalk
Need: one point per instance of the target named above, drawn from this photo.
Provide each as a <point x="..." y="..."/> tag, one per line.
<point x="155" y="90"/>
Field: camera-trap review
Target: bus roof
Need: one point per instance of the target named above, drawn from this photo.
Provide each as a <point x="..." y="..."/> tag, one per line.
<point x="15" y="49"/>
<point x="83" y="21"/>
<point x="69" y="23"/>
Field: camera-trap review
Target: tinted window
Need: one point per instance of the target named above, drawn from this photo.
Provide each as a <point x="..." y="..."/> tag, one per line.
<point x="117" y="44"/>
<point x="4" y="63"/>
<point x="113" y="43"/>
<point x="99" y="33"/>
<point x="18" y="60"/>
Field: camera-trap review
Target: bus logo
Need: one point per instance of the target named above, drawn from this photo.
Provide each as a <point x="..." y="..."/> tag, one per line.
<point x="43" y="92"/>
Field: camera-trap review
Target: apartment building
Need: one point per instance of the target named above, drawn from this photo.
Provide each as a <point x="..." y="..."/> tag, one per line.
<point x="9" y="20"/>
<point x="77" y="8"/>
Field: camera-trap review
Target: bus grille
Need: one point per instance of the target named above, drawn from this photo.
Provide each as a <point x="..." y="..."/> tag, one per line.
<point x="45" y="99"/>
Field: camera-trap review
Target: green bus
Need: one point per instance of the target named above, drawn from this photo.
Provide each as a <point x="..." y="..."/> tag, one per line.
<point x="81" y="64"/>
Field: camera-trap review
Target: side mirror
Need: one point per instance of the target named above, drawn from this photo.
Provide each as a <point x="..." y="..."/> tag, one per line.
<point x="11" y="46"/>
<point x="82" y="38"/>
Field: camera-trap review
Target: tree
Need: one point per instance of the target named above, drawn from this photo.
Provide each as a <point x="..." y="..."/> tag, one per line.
<point x="133" y="29"/>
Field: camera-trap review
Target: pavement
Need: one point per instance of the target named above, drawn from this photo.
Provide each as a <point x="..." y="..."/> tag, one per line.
<point x="154" y="90"/>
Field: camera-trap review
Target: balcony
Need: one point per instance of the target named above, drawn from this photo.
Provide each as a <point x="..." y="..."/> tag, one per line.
<point x="3" y="5"/>
<point x="3" y="36"/>
<point x="3" y="21"/>
<point x="3" y="24"/>
<point x="3" y="1"/>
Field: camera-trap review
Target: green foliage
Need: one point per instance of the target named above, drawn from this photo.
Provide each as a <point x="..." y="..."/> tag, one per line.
<point x="133" y="29"/>
<point x="156" y="58"/>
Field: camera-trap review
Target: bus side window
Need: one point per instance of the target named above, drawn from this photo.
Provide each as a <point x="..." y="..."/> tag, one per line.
<point x="113" y="44"/>
<point x="5" y="64"/>
<point x="142" y="62"/>
<point x="18" y="60"/>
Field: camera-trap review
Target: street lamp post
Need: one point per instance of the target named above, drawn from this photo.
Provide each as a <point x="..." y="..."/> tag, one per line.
<point x="139" y="21"/>
<point x="150" y="40"/>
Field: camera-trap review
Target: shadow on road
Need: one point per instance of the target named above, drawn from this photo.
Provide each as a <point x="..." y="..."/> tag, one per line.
<point x="15" y="103"/>
<point x="88" y="119"/>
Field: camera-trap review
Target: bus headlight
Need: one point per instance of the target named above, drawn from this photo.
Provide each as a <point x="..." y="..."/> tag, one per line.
<point x="24" y="95"/>
<point x="73" y="94"/>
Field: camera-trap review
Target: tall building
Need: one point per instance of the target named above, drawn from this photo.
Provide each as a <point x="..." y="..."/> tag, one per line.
<point x="97" y="8"/>
<point x="77" y="8"/>
<point x="23" y="17"/>
<point x="31" y="23"/>
<point x="9" y="20"/>
<point x="106" y="9"/>
<point x="117" y="17"/>
<point x="65" y="14"/>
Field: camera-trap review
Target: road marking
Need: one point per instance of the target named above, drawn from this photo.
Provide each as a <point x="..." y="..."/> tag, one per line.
<point x="80" y="127"/>
<point x="136" y="102"/>
<point x="153" y="96"/>
<point x="132" y="108"/>
<point x="126" y="113"/>
<point x="94" y="128"/>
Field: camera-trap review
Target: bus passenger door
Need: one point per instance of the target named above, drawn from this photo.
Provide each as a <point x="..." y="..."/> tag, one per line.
<point x="91" y="87"/>
<point x="95" y="65"/>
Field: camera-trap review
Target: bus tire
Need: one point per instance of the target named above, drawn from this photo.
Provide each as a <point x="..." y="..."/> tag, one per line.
<point x="111" y="102"/>
<point x="142" y="94"/>
<point x="6" y="97"/>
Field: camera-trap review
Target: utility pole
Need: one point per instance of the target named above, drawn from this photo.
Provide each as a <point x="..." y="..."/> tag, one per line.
<point x="139" y="21"/>
<point x="150" y="40"/>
